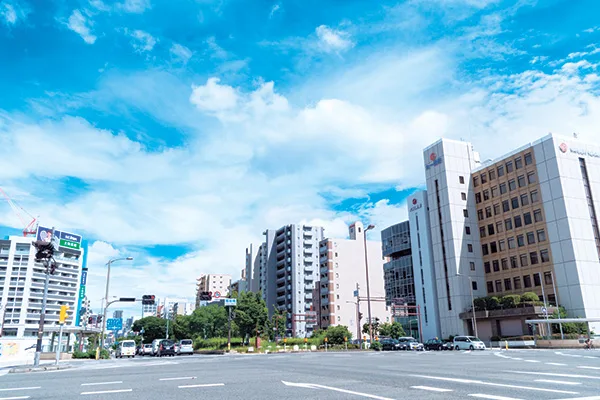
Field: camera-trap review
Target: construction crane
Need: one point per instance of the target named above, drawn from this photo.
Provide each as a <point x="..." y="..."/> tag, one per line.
<point x="29" y="228"/>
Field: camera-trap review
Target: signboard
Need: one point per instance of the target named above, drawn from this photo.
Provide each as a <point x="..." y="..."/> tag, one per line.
<point x="230" y="302"/>
<point x="81" y="292"/>
<point x="83" y="277"/>
<point x="114" y="324"/>
<point x="356" y="293"/>
<point x="216" y="295"/>
<point x="433" y="161"/>
<point x="61" y="240"/>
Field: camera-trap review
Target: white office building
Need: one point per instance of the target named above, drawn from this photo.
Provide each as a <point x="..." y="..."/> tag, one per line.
<point x="150" y="310"/>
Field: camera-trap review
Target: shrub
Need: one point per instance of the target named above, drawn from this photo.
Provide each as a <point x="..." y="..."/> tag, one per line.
<point x="529" y="296"/>
<point x="480" y="304"/>
<point x="80" y="354"/>
<point x="376" y="346"/>
<point x="510" y="300"/>
<point x="492" y="303"/>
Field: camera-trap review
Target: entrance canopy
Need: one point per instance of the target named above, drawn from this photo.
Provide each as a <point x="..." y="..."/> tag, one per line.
<point x="561" y="321"/>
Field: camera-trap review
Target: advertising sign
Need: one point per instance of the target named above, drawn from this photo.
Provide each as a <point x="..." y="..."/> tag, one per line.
<point x="61" y="240"/>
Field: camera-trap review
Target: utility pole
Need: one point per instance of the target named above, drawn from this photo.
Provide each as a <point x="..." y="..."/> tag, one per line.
<point x="106" y="302"/>
<point x="368" y="228"/>
<point x="229" y="331"/>
<point x="45" y="253"/>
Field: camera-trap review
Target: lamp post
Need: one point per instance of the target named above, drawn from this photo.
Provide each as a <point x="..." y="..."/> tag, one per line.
<point x="473" y="318"/>
<point x="105" y="301"/>
<point x="368" y="228"/>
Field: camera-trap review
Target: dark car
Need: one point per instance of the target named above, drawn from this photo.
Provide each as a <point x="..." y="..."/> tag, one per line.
<point x="434" y="344"/>
<point x="392" y="344"/>
<point x="166" y="347"/>
<point x="448" y="346"/>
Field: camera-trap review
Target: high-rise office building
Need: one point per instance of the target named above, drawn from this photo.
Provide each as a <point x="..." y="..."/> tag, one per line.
<point x="118" y="314"/>
<point x="398" y="268"/>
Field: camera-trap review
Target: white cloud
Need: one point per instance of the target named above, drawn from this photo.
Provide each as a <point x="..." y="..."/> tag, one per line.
<point x="181" y="52"/>
<point x="81" y="25"/>
<point x="274" y="9"/>
<point x="134" y="6"/>
<point x="7" y="11"/>
<point x="141" y="41"/>
<point x="215" y="50"/>
<point x="331" y="40"/>
<point x="214" y="97"/>
<point x="13" y="11"/>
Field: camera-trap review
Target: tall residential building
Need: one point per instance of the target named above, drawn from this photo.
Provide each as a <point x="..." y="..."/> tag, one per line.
<point x="343" y="281"/>
<point x="288" y="270"/>
<point x="183" y="308"/>
<point x="22" y="287"/>
<point x="150" y="310"/>
<point x="218" y="284"/>
<point x="166" y="310"/>
<point x="426" y="283"/>
<point x="398" y="268"/>
<point x="250" y="270"/>
<point x="118" y="314"/>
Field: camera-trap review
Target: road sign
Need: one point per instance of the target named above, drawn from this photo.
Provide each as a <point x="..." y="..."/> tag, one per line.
<point x="69" y="244"/>
<point x="81" y="292"/>
<point x="114" y="324"/>
<point x="230" y="302"/>
<point x="356" y="293"/>
<point x="216" y="295"/>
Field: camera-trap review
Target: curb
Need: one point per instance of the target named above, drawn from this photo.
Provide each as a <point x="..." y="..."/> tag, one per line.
<point x="38" y="369"/>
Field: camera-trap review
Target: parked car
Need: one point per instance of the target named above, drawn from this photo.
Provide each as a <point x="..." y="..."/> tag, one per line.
<point x="147" y="349"/>
<point x="468" y="343"/>
<point x="125" y="348"/>
<point x="434" y="344"/>
<point x="186" y="346"/>
<point x="391" y="344"/>
<point x="448" y="345"/>
<point x="412" y="343"/>
<point x="155" y="346"/>
<point x="166" y="348"/>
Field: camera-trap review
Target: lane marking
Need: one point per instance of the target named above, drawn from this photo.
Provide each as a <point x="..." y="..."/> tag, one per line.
<point x="101" y="383"/>
<point x="531" y="361"/>
<point x="553" y="374"/>
<point x="517" y="358"/>
<point x="22" y="388"/>
<point x="178" y="378"/>
<point x="315" y="386"/>
<point x="583" y="398"/>
<point x="557" y="364"/>
<point x="492" y="397"/>
<point x="473" y="381"/>
<point x="590" y="357"/>
<point x="432" y="389"/>
<point x="557" y="382"/>
<point x="14" y="398"/>
<point x="586" y="367"/>
<point x="201" y="385"/>
<point x="108" y="391"/>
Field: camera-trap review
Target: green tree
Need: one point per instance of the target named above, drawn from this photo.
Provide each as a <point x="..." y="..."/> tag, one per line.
<point x="529" y="296"/>
<point x="154" y="328"/>
<point x="181" y="327"/>
<point x="251" y="314"/>
<point x="336" y="334"/>
<point x="568" y="327"/>
<point x="480" y="304"/>
<point x="492" y="303"/>
<point x="393" y="330"/>
<point x="207" y="322"/>
<point x="277" y="323"/>
<point x="375" y="327"/>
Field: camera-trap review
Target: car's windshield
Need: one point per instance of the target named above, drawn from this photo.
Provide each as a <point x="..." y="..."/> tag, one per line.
<point x="186" y="342"/>
<point x="474" y="339"/>
<point x="128" y="344"/>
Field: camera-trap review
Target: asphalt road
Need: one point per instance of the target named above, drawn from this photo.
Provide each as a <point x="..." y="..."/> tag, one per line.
<point x="496" y="375"/>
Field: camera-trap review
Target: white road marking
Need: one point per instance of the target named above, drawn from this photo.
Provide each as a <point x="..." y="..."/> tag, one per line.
<point x="22" y="388"/>
<point x="201" y="385"/>
<point x="589" y="357"/>
<point x="557" y="364"/>
<point x="557" y="382"/>
<point x="553" y="374"/>
<point x="177" y="379"/>
<point x="531" y="361"/>
<point x="517" y="359"/>
<point x="14" y="398"/>
<point x="473" y="381"/>
<point x="432" y="389"/>
<point x="583" y="398"/>
<point x="108" y="391"/>
<point x="101" y="383"/>
<point x="492" y="397"/>
<point x="315" y="386"/>
<point x="585" y="367"/>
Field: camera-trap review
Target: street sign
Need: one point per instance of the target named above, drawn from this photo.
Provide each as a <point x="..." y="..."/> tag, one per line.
<point x="230" y="302"/>
<point x="81" y="292"/>
<point x="216" y="295"/>
<point x="356" y="293"/>
<point x="83" y="277"/>
<point x="114" y="324"/>
<point x="69" y="244"/>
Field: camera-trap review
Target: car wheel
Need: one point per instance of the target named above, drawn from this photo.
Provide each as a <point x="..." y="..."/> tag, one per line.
<point x="471" y="347"/>
<point x="456" y="348"/>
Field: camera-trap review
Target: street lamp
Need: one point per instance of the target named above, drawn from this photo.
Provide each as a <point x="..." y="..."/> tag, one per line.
<point x="473" y="318"/>
<point x="368" y="228"/>
<point x="105" y="302"/>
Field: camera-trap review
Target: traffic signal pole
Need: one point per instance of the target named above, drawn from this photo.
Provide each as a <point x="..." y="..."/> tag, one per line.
<point x="40" y="338"/>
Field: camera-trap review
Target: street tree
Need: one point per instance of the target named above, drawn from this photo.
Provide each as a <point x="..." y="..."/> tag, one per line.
<point x="154" y="328"/>
<point x="207" y="322"/>
<point x="251" y="314"/>
<point x="393" y="330"/>
<point x="375" y="327"/>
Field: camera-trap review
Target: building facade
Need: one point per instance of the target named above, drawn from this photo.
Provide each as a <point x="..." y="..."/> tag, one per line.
<point x="150" y="310"/>
<point x="22" y="287"/>
<point x="183" y="308"/>
<point x="398" y="269"/>
<point x="218" y="284"/>
<point x="118" y="314"/>
<point x="167" y="308"/>
<point x="342" y="282"/>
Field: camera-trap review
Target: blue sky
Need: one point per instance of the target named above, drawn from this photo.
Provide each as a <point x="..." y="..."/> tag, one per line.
<point x="177" y="131"/>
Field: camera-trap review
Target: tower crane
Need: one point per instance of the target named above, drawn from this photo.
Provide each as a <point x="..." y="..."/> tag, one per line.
<point x="28" y="228"/>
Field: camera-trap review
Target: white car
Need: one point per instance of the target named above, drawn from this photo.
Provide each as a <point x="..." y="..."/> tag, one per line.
<point x="468" y="343"/>
<point x="185" y="347"/>
<point x="411" y="343"/>
<point x="125" y="349"/>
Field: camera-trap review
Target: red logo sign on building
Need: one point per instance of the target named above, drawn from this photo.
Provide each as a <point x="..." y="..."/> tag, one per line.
<point x="432" y="156"/>
<point x="563" y="147"/>
<point x="414" y="201"/>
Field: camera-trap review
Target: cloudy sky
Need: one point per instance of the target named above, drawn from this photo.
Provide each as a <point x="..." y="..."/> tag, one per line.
<point x="176" y="131"/>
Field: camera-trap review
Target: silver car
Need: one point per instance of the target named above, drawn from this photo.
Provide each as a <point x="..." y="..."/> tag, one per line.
<point x="186" y="346"/>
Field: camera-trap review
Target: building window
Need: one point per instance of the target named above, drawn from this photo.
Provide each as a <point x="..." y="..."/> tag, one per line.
<point x="514" y="202"/>
<point x="544" y="256"/>
<point x="527" y="218"/>
<point x="466" y="213"/>
<point x="472" y="265"/>
<point x="507" y="284"/>
<point x="499" y="227"/>
<point x="496" y="265"/>
<point x="488" y="212"/>
<point x="521" y="181"/>
<point x="500" y="171"/>
<point x="548" y="278"/>
<point x="524" y="260"/>
<point x="509" y="167"/>
<point x="475" y="181"/>
<point x="480" y="215"/>
<point x="463" y="195"/>
<point x="534" y="196"/>
<point x="528" y="159"/>
<point x="537" y="215"/>
<point x="504" y="263"/>
<point x="498" y="285"/>
<point x="496" y="209"/>
<point x="518" y="163"/>
<point x="501" y="245"/>
<point x="524" y="200"/>
<point x="533" y="257"/>
<point x="486" y="195"/>
<point x="520" y="241"/>
<point x="517" y="282"/>
<point x="470" y="248"/>
<point x="531" y="178"/>
<point x="474" y="285"/>
<point x="541" y="235"/>
<point x="502" y="188"/>
<point x="512" y="185"/>
<point x="527" y="281"/>
<point x="518" y="222"/>
<point x="484" y="249"/>
<point x="508" y="224"/>
<point x="511" y="242"/>
<point x="530" y="238"/>
<point x="537" y="281"/>
<point x="494" y="191"/>
<point x="505" y="206"/>
<point x="477" y="198"/>
<point x="482" y="231"/>
<point x="490" y="287"/>
<point x="490" y="229"/>
<point x="493" y="247"/>
<point x="468" y="230"/>
<point x="492" y="174"/>
<point x="483" y="178"/>
<point x="486" y="266"/>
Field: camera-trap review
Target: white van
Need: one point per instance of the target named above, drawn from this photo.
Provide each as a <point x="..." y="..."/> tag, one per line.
<point x="468" y="343"/>
<point x="126" y="348"/>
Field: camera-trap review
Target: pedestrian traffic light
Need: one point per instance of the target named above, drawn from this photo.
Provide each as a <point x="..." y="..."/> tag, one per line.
<point x="63" y="314"/>
<point x="148" y="299"/>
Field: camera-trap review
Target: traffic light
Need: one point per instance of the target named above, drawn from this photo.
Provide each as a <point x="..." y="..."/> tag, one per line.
<point x="148" y="299"/>
<point x="52" y="268"/>
<point x="63" y="314"/>
<point x="90" y="320"/>
<point x="99" y="319"/>
<point x="360" y="316"/>
<point x="45" y="250"/>
<point x="206" y="296"/>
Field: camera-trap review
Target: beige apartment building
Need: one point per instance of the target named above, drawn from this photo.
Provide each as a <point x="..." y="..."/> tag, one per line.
<point x="218" y="284"/>
<point x="342" y="273"/>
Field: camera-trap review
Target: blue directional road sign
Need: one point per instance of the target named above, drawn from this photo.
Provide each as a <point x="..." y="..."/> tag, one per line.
<point x="230" y="302"/>
<point x="114" y="324"/>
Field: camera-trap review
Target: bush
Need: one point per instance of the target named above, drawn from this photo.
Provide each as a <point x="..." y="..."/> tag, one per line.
<point x="529" y="296"/>
<point x="80" y="354"/>
<point x="217" y="343"/>
<point x="492" y="303"/>
<point x="510" y="300"/>
<point x="376" y="346"/>
<point x="480" y="304"/>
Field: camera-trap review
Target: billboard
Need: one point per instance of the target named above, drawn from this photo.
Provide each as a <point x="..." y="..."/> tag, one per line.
<point x="61" y="240"/>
